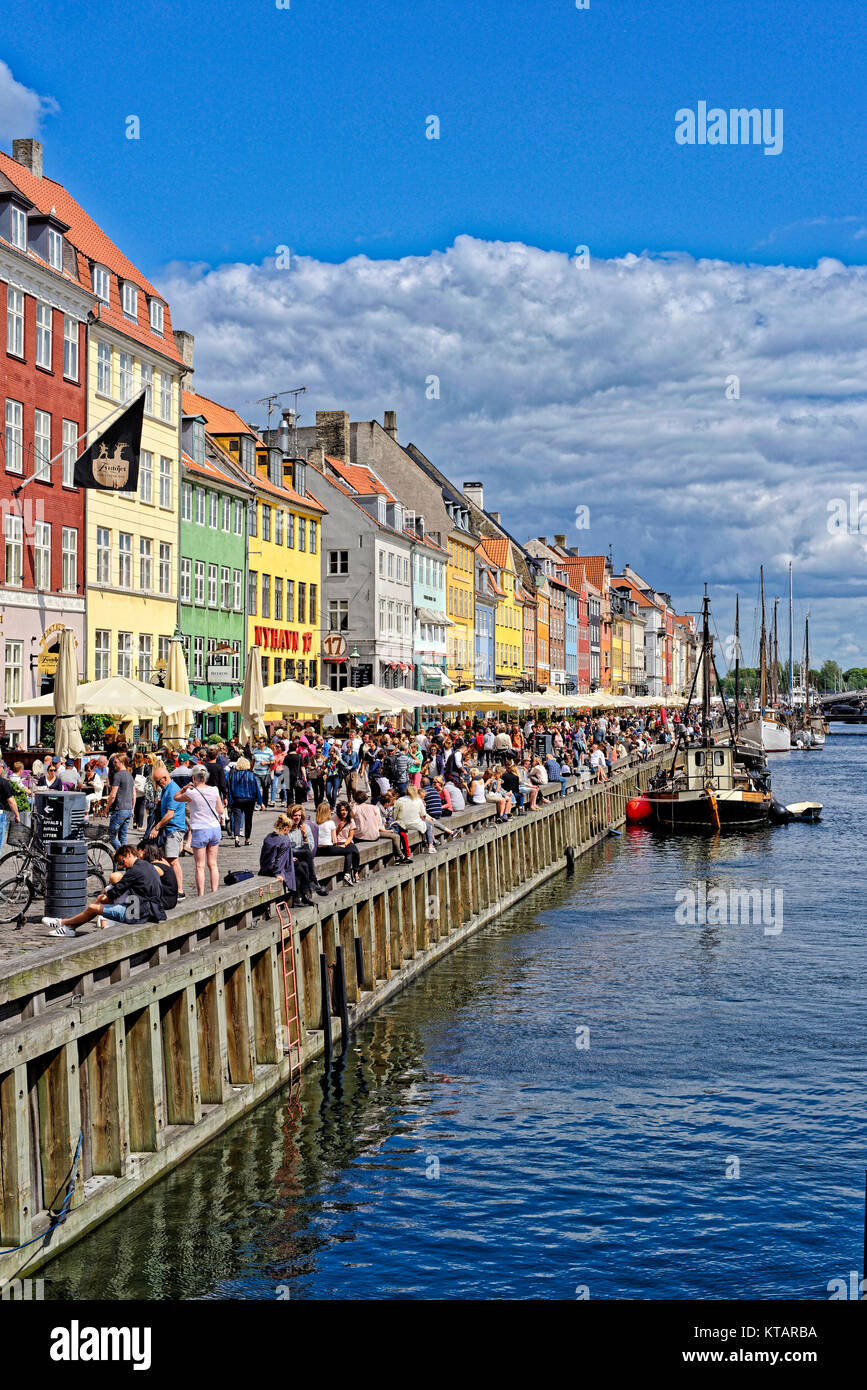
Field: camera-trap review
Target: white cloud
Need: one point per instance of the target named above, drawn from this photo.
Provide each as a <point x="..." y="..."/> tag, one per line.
<point x="21" y="110"/>
<point x="604" y="386"/>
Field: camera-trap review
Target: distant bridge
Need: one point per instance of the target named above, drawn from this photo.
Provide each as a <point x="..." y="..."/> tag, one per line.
<point x="845" y="707"/>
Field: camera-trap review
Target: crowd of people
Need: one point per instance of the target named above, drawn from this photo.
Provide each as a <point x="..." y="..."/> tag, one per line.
<point x="336" y="791"/>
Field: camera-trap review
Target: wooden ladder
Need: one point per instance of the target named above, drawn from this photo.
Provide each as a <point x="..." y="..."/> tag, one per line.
<point x="290" y="992"/>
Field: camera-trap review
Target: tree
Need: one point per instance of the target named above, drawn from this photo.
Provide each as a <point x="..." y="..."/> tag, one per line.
<point x="830" y="676"/>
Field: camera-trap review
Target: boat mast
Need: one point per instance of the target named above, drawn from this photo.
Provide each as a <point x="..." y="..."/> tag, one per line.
<point x="774" y="691"/>
<point x="791" y="673"/>
<point x="737" y="664"/>
<point x="807" y="666"/>
<point x="763" y="659"/>
<point x="706" y="659"/>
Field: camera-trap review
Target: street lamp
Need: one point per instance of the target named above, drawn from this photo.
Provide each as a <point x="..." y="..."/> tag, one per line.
<point x="354" y="655"/>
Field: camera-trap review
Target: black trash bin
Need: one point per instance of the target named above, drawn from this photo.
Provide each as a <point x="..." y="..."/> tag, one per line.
<point x="65" y="877"/>
<point x="543" y="745"/>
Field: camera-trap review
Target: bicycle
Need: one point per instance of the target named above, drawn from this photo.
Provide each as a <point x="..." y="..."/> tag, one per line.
<point x="24" y="871"/>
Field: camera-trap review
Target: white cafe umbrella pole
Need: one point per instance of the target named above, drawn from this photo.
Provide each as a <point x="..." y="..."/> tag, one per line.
<point x="67" y="728"/>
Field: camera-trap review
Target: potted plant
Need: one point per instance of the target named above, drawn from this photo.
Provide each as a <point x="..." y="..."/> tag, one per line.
<point x="22" y="801"/>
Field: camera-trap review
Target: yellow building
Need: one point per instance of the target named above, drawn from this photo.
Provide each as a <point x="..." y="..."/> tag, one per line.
<point x="132" y="538"/>
<point x="460" y="606"/>
<point x="509" y="618"/>
<point x="284" y="559"/>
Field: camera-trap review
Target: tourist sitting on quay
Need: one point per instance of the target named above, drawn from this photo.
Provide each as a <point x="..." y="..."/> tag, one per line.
<point x="304" y="842"/>
<point x="334" y="824"/>
<point x="136" y="897"/>
<point x="410" y="813"/>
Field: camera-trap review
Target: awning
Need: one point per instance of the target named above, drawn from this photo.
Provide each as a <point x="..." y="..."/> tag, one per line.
<point x="446" y="680"/>
<point x="434" y="673"/>
<point x="430" y="615"/>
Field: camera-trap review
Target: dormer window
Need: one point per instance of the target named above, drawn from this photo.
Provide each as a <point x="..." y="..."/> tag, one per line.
<point x="199" y="441"/>
<point x="156" y="309"/>
<point x="55" y="249"/>
<point x="248" y="456"/>
<point x="18" y="228"/>
<point x="130" y="301"/>
<point x="101" y="283"/>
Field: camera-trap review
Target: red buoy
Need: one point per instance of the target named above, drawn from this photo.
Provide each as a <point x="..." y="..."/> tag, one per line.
<point x="638" y="808"/>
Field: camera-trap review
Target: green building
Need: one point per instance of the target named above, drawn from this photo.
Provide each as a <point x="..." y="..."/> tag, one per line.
<point x="213" y="571"/>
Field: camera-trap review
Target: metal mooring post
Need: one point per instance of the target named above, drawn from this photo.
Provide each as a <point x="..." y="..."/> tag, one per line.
<point x="326" y="1003"/>
<point x="340" y="982"/>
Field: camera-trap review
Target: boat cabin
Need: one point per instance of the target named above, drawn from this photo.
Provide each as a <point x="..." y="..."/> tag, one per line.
<point x="699" y="766"/>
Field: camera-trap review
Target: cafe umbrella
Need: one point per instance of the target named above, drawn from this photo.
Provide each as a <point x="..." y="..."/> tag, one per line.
<point x="67" y="729"/>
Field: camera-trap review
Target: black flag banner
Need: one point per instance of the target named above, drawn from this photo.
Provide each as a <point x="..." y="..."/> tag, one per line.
<point x="111" y="461"/>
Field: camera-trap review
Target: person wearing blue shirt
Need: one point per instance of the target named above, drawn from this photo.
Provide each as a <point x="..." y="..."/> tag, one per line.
<point x="170" y="825"/>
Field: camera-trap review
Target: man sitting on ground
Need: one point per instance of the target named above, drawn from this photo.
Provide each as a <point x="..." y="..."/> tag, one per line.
<point x="137" y="897"/>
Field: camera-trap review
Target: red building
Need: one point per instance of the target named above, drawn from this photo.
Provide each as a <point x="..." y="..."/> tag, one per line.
<point x="43" y="316"/>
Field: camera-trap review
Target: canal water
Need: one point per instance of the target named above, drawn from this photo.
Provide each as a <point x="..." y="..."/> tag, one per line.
<point x="592" y="1097"/>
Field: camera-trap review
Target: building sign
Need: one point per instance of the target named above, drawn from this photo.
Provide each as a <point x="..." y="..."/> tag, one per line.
<point x="49" y="652"/>
<point x="280" y="639"/>
<point x="362" y="675"/>
<point x="218" y="674"/>
<point x="334" y="647"/>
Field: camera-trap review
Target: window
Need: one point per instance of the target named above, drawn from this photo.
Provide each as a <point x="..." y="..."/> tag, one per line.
<point x="15" y="322"/>
<point x="248" y="455"/>
<point x="290" y="600"/>
<point x="124" y="560"/>
<point x="278" y="670"/>
<point x="266" y="595"/>
<point x="382" y="615"/>
<point x="41" y="555"/>
<point x="14" y="657"/>
<point x="302" y="534"/>
<point x="338" y="615"/>
<point x="302" y="603"/>
<point x="213" y="508"/>
<point x="165" y="482"/>
<point x="186" y="502"/>
<point x="311" y="614"/>
<point x="226" y="514"/>
<point x="239" y="519"/>
<point x="252" y="519"/>
<point x="157" y="316"/>
<point x="43" y="335"/>
<point x="390" y="607"/>
<point x="69" y="560"/>
<point x="130" y="301"/>
<point x="42" y="444"/>
<point x="381" y="565"/>
<point x="200" y="506"/>
<point x="278" y="526"/>
<point x="338" y="562"/>
<point x="213" y="579"/>
<point x="125" y="375"/>
<point x="101" y="283"/>
<point x="399" y="619"/>
<point x="198" y="658"/>
<point x="266" y="523"/>
<point x="145" y="563"/>
<point x="14" y="436"/>
<point x="186" y="580"/>
<point x="252" y="578"/>
<point x="313" y="538"/>
<point x="236" y="661"/>
<point x="265" y="676"/>
<point x="102" y="654"/>
<point x="146" y="476"/>
<point x="237" y="597"/>
<point x="390" y="565"/>
<point x="145" y="654"/>
<point x="200" y="582"/>
<point x="278" y="597"/>
<point x="103" y="368"/>
<point x="103" y="555"/>
<point x="166" y="397"/>
<point x="226" y="587"/>
<point x="70" y="348"/>
<point x="163" y="648"/>
<point x="19" y="229"/>
<point x="124" y="654"/>
<point x="290" y="529"/>
<point x="165" y="568"/>
<point x="55" y="249"/>
<point x="147" y="381"/>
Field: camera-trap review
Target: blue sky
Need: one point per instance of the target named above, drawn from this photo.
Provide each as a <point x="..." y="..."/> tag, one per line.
<point x="263" y="126"/>
<point x="454" y="258"/>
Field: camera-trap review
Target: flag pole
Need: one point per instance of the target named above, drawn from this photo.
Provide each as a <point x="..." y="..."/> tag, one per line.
<point x="16" y="491"/>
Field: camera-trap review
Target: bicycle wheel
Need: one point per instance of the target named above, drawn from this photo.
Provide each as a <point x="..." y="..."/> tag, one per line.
<point x="16" y="895"/>
<point x="15" y="863"/>
<point x="100" y="857"/>
<point x="96" y="882"/>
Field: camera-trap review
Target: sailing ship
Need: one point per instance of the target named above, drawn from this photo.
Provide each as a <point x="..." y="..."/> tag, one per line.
<point x="767" y="727"/>
<point x="808" y="725"/>
<point x="705" y="787"/>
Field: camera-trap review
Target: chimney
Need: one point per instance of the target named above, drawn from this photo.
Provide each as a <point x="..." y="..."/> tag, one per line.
<point x="284" y="434"/>
<point x="543" y="539"/>
<point x="561" y="541"/>
<point x="475" y="493"/>
<point x="332" y="433"/>
<point x="390" y="423"/>
<point x="185" y="343"/>
<point x="316" y="459"/>
<point x="495" y="516"/>
<point x="28" y="153"/>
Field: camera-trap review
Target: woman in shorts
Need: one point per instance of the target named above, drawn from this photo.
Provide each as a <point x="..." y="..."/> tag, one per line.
<point x="204" y="822"/>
